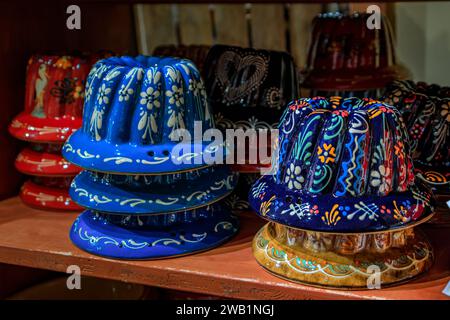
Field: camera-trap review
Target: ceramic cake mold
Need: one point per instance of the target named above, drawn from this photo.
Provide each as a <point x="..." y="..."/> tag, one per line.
<point x="147" y="195"/>
<point x="94" y="234"/>
<point x="52" y="195"/>
<point x="54" y="94"/>
<point x="343" y="165"/>
<point x="426" y="111"/>
<point x="44" y="160"/>
<point x="342" y="261"/>
<point x="152" y="194"/>
<point x="342" y="196"/>
<point x="133" y="108"/>
<point x="249" y="88"/>
<point x="347" y="59"/>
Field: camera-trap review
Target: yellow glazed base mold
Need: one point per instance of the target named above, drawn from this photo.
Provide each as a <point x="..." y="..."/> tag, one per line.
<point x="345" y="261"/>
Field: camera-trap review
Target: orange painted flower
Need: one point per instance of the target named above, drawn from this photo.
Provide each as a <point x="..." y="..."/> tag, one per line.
<point x="63" y="63"/>
<point x="326" y="153"/>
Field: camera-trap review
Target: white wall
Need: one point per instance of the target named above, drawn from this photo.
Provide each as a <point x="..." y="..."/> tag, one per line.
<point x="423" y="40"/>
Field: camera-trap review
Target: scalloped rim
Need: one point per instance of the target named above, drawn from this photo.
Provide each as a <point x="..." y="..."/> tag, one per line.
<point x="127" y="159"/>
<point x="256" y="202"/>
<point x="88" y="193"/>
<point x="119" y="243"/>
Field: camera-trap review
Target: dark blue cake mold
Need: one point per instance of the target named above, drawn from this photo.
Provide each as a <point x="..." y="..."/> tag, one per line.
<point x="91" y="232"/>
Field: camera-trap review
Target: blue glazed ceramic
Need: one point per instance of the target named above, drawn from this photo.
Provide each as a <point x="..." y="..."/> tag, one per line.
<point x="133" y="108"/>
<point x="343" y="165"/>
<point x="92" y="233"/>
<point x="152" y="194"/>
<point x="158" y="221"/>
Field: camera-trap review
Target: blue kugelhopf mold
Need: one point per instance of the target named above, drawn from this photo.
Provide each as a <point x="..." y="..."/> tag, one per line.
<point x="149" y="193"/>
<point x="133" y="107"/>
<point x="134" y="194"/>
<point x="343" y="165"/>
<point x="106" y="235"/>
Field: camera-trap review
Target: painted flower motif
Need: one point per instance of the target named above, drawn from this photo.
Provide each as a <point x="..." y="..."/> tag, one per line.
<point x="385" y="210"/>
<point x="194" y="87"/>
<point x="63" y="63"/>
<point x="406" y="203"/>
<point x="415" y="131"/>
<point x="344" y="210"/>
<point x="293" y="177"/>
<point x="342" y="113"/>
<point x="314" y="209"/>
<point x="149" y="98"/>
<point x="394" y="98"/>
<point x="445" y="112"/>
<point x="326" y="153"/>
<point x="103" y="93"/>
<point x="201" y="88"/>
<point x="125" y="93"/>
<point x="398" y="148"/>
<point x="379" y="179"/>
<point x="175" y="95"/>
<point x="78" y="92"/>
<point x="88" y="93"/>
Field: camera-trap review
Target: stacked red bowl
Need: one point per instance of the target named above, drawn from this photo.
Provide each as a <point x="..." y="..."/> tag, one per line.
<point x="54" y="94"/>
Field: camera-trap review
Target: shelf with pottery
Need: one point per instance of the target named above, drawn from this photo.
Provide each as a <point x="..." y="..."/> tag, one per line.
<point x="39" y="239"/>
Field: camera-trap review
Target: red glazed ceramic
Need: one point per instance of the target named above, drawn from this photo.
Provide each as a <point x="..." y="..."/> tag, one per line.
<point x="54" y="93"/>
<point x="44" y="160"/>
<point x="347" y="56"/>
<point x="44" y="197"/>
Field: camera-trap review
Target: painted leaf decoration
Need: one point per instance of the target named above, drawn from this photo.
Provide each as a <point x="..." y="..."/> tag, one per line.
<point x="99" y="120"/>
<point x="181" y="121"/>
<point x="157" y="77"/>
<point x="172" y="120"/>
<point x="186" y="69"/>
<point x="153" y="124"/>
<point x="142" y="122"/>
<point x="112" y="74"/>
<point x="171" y="73"/>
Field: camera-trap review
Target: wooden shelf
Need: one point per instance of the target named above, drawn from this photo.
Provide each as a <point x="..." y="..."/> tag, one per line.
<point x="39" y="239"/>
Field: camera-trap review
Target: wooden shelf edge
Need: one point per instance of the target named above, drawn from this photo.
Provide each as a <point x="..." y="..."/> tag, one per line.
<point x="39" y="239"/>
